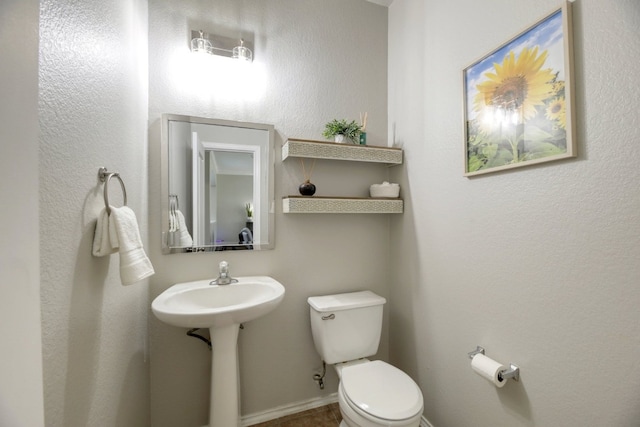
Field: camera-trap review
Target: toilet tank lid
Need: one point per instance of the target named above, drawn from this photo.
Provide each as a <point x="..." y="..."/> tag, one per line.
<point x="345" y="301"/>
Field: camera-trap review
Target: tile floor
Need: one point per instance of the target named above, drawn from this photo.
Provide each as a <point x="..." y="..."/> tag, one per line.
<point x="324" y="416"/>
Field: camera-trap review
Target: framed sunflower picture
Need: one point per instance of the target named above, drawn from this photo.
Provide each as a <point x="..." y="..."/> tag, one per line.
<point x="519" y="99"/>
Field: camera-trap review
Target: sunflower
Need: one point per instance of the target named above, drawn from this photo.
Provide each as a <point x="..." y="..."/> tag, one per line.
<point x="556" y="110"/>
<point x="558" y="86"/>
<point x="517" y="85"/>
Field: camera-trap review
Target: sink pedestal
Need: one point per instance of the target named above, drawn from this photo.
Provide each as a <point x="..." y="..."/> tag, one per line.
<point x="224" y="404"/>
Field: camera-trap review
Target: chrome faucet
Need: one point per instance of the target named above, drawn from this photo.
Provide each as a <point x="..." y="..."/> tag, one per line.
<point x="223" y="277"/>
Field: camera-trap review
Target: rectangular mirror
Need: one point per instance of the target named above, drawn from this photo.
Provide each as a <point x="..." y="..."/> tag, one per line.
<point x="217" y="185"/>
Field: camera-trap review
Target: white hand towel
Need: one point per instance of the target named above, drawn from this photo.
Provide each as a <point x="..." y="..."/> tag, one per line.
<point x="173" y="225"/>
<point x="185" y="239"/>
<point x="101" y="238"/>
<point x="134" y="264"/>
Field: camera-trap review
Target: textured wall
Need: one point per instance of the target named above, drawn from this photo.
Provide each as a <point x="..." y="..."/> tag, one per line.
<point x="93" y="110"/>
<point x="21" y="354"/>
<point x="538" y="265"/>
<point x="311" y="65"/>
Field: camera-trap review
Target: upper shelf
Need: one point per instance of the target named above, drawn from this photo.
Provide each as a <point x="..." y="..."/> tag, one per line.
<point x="334" y="151"/>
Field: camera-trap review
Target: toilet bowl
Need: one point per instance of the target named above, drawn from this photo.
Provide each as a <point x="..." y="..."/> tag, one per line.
<point x="346" y="330"/>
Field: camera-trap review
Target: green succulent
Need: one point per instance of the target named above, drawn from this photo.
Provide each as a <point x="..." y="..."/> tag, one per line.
<point x="351" y="131"/>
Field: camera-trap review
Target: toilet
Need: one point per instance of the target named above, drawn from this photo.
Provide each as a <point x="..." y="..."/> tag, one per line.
<point x="346" y="330"/>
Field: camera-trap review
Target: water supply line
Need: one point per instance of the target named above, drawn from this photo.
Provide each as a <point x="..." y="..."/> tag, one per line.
<point x="319" y="378"/>
<point x="192" y="333"/>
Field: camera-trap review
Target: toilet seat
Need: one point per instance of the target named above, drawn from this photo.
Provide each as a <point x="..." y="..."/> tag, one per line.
<point x="379" y="391"/>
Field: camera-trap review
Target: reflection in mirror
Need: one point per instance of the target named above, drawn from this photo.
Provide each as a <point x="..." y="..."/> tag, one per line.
<point x="217" y="184"/>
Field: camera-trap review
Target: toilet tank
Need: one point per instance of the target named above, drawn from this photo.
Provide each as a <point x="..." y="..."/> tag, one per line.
<point x="346" y="326"/>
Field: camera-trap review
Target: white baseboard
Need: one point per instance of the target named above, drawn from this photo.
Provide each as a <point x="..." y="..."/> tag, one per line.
<point x="284" y="410"/>
<point x="425" y="422"/>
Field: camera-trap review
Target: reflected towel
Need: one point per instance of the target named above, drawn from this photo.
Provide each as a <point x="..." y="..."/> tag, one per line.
<point x="184" y="238"/>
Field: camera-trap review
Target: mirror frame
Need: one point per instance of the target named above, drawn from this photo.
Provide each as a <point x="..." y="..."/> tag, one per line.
<point x="164" y="183"/>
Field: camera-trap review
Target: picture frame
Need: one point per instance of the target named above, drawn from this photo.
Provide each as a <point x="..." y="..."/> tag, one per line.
<point x="519" y="99"/>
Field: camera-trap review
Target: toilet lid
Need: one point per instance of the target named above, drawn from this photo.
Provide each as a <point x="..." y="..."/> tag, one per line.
<point x="381" y="390"/>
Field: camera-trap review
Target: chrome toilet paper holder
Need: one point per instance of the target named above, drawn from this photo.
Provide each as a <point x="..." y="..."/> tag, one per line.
<point x="478" y="350"/>
<point x="512" y="371"/>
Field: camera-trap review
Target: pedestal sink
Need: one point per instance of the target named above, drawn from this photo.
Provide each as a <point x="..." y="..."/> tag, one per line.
<point x="221" y="308"/>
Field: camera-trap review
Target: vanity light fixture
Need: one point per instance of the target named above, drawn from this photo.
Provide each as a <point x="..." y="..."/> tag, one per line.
<point x="220" y="46"/>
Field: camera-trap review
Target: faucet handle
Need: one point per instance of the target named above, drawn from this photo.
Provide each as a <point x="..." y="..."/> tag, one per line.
<point x="223" y="277"/>
<point x="224" y="268"/>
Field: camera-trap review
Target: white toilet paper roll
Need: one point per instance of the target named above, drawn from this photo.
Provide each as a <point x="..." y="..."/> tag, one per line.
<point x="489" y="369"/>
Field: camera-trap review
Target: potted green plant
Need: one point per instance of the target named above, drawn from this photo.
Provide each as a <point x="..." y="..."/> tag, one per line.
<point x="341" y="130"/>
<point x="249" y="209"/>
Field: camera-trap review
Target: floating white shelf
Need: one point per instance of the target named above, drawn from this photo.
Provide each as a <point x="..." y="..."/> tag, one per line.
<point x="318" y="204"/>
<point x="313" y="149"/>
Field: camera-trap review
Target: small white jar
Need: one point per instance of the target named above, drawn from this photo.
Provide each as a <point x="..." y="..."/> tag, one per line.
<point x="385" y="190"/>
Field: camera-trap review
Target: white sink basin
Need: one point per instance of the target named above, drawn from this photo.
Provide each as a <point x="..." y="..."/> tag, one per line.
<point x="201" y="305"/>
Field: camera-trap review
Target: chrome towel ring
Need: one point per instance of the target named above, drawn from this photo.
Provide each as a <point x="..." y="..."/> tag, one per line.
<point x="104" y="175"/>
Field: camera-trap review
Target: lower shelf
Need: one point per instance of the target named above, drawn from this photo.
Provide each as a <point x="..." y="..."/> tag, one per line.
<point x="317" y="204"/>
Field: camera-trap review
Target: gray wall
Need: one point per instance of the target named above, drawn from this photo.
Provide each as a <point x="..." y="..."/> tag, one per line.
<point x="21" y="401"/>
<point x="538" y="265"/>
<point x="311" y="65"/>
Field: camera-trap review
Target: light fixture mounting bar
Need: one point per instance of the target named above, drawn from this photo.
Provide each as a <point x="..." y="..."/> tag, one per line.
<point x="222" y="46"/>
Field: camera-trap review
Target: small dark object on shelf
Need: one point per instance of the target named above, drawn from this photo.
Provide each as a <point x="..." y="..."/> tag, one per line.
<point x="307" y="188"/>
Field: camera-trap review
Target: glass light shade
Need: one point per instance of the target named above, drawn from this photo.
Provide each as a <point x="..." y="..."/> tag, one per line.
<point x="201" y="45"/>
<point x="243" y="53"/>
